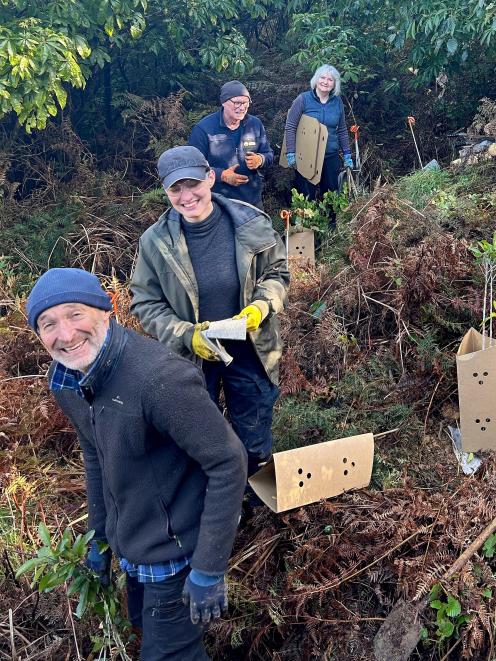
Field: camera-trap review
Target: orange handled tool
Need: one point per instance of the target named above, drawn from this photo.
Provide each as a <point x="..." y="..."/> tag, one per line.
<point x="286" y="215"/>
<point x="411" y="121"/>
<point x="356" y="134"/>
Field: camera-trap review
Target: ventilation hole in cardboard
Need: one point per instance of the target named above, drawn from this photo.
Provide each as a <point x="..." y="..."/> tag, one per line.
<point x="477" y="420"/>
<point x="344" y="460"/>
<point x="352" y="463"/>
<point x="481" y="382"/>
<point x="309" y="475"/>
<point x="476" y="374"/>
<point x="300" y="470"/>
<point x="346" y="472"/>
<point x="483" y="429"/>
<point x="488" y="419"/>
<point x="301" y="484"/>
<point x="485" y="373"/>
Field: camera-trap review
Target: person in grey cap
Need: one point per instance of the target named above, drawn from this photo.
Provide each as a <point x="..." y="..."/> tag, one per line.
<point x="210" y="258"/>
<point x="236" y="146"/>
<point x="165" y="473"/>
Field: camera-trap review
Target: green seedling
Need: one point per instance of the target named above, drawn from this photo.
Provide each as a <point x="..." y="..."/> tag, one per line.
<point x="489" y="548"/>
<point x="485" y="254"/>
<point x="62" y="562"/>
<point x="313" y="214"/>
<point x="449" y="616"/>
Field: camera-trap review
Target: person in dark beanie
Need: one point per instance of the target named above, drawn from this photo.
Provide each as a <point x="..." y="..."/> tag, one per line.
<point x="236" y="146"/>
<point x="165" y="473"/>
<point x="206" y="259"/>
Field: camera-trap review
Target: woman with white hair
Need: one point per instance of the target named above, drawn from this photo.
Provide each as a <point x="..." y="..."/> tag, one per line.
<point x="323" y="102"/>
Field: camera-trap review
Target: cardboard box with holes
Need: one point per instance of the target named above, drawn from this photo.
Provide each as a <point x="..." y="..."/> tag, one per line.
<point x="476" y="368"/>
<point x="302" y="246"/>
<point x="302" y="476"/>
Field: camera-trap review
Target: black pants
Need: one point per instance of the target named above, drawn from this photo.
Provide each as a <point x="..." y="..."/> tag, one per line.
<point x="328" y="182"/>
<point x="168" y="633"/>
<point x="250" y="398"/>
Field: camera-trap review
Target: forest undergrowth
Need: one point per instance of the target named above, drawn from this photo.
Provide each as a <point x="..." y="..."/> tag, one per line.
<point x="370" y="338"/>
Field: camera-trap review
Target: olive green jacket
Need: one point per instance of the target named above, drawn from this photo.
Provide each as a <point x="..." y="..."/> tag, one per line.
<point x="165" y="292"/>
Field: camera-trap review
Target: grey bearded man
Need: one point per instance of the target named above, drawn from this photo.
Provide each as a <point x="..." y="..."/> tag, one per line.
<point x="165" y="473"/>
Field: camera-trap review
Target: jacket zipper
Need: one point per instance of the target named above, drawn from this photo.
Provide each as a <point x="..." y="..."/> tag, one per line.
<point x="192" y="294"/>
<point x="245" y="298"/>
<point x="170" y="532"/>
<point x="253" y="255"/>
<point x="93" y="426"/>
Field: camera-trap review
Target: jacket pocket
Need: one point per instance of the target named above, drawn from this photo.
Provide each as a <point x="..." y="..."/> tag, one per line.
<point x="166" y="517"/>
<point x="168" y="523"/>
<point x="111" y="525"/>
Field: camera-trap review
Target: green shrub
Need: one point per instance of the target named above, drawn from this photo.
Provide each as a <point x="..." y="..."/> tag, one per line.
<point x="35" y="243"/>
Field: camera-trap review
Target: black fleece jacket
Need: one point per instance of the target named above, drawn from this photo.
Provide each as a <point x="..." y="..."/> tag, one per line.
<point x="165" y="472"/>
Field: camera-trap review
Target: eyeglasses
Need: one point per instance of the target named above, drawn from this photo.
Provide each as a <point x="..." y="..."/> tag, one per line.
<point x="185" y="184"/>
<point x="240" y="104"/>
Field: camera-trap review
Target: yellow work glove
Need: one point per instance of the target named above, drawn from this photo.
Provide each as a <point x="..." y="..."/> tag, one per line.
<point x="253" y="161"/>
<point x="255" y="313"/>
<point x="198" y="344"/>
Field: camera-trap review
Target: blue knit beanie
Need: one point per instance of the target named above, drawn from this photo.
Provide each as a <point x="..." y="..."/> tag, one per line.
<point x="58" y="286"/>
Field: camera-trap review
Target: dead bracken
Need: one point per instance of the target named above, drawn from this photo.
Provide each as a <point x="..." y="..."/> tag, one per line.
<point x="370" y="336"/>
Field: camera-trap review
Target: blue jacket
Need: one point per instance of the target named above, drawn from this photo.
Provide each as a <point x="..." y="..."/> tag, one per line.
<point x="165" y="473"/>
<point x="223" y="148"/>
<point x="331" y="114"/>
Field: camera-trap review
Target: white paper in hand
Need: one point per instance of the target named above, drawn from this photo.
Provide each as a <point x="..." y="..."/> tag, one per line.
<point x="227" y="329"/>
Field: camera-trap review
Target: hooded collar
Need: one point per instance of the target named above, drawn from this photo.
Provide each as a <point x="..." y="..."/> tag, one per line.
<point x="252" y="227"/>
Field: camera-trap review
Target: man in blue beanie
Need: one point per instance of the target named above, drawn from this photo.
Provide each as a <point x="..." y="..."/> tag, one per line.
<point x="165" y="473"/>
<point x="236" y="146"/>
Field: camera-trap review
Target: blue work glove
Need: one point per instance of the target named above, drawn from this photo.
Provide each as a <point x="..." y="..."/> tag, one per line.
<point x="291" y="159"/>
<point x="206" y="596"/>
<point x="347" y="160"/>
<point x="100" y="563"/>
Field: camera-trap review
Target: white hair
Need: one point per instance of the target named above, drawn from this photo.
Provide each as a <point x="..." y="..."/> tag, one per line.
<point x="330" y="71"/>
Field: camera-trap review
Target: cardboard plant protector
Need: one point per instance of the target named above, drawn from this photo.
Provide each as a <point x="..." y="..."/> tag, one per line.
<point x="301" y="245"/>
<point x="305" y="475"/>
<point x="311" y="141"/>
<point x="476" y="369"/>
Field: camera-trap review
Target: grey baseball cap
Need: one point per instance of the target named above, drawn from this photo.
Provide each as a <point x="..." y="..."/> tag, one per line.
<point x="182" y="163"/>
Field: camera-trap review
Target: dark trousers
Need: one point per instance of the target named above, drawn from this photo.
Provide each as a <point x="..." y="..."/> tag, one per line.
<point x="328" y="182"/>
<point x="158" y="609"/>
<point x="249" y="397"/>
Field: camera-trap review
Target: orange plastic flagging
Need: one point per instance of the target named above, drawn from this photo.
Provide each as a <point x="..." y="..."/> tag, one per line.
<point x="354" y="130"/>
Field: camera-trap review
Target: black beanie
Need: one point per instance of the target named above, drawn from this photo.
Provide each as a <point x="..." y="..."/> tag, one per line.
<point x="231" y="89"/>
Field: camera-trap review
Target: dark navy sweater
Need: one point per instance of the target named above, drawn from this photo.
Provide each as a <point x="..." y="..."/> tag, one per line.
<point x="165" y="473"/>
<point x="212" y="251"/>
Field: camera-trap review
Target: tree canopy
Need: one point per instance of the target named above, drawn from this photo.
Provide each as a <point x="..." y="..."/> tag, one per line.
<point x="48" y="47"/>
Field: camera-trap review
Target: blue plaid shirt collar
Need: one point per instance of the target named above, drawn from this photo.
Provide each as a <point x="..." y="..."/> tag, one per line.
<point x="69" y="379"/>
